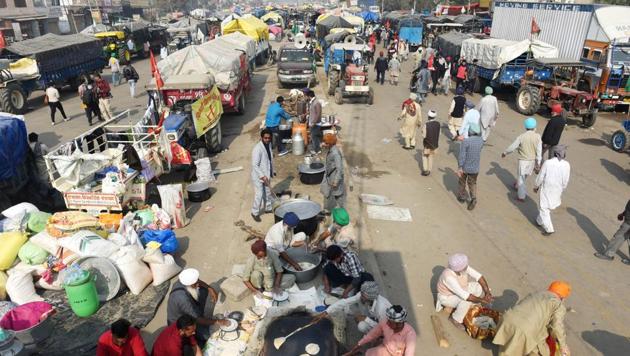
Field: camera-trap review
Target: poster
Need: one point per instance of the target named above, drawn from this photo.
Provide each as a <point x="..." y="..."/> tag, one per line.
<point x="207" y="111"/>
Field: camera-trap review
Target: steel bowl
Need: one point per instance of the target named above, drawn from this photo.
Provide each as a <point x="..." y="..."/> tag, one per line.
<point x="306" y="210"/>
<point x="299" y="254"/>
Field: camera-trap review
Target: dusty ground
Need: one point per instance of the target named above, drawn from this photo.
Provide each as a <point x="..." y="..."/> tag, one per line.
<point x="499" y="236"/>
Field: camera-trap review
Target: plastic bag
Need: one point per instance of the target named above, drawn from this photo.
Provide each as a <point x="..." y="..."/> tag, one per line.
<point x="146" y="215"/>
<point x="67" y="223"/>
<point x="3" y="285"/>
<point x="204" y="170"/>
<point x="134" y="272"/>
<point x="153" y="255"/>
<point x="166" y="238"/>
<point x="32" y="254"/>
<point x="86" y="243"/>
<point x="172" y="197"/>
<point x="112" y="184"/>
<point x="162" y="219"/>
<point x="10" y="243"/>
<point x="17" y="216"/>
<point x="180" y="154"/>
<point x="127" y="230"/>
<point x="20" y="286"/>
<point x="110" y="222"/>
<point x="46" y="242"/>
<point x="37" y="221"/>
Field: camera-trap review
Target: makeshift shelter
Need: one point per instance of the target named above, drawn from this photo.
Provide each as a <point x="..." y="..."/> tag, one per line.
<point x="273" y="17"/>
<point x="229" y="18"/>
<point x="250" y="26"/>
<point x="240" y="42"/>
<point x="369" y="16"/>
<point x="492" y="53"/>
<point x="327" y="22"/>
<point x="356" y="21"/>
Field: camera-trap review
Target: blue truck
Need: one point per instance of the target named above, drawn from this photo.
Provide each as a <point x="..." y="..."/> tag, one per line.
<point x="27" y="66"/>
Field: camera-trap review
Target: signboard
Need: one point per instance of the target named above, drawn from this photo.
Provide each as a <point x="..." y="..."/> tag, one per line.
<point x="546" y="6"/>
<point x="91" y="201"/>
<point x="207" y="111"/>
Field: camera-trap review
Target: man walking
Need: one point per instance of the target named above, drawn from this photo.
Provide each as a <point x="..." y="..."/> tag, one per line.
<point x="262" y="171"/>
<point x="394" y="70"/>
<point x="431" y="134"/>
<point x="380" y="66"/>
<point x="52" y="97"/>
<point x="114" y="66"/>
<point x="553" y="130"/>
<point x="552" y="180"/>
<point x="528" y="145"/>
<point x="489" y="111"/>
<point x="314" y="118"/>
<point x="411" y="119"/>
<point x="131" y="76"/>
<point x="456" y="112"/>
<point x="104" y="93"/>
<point x="468" y="162"/>
<point x="623" y="234"/>
<point x="89" y="98"/>
<point x="422" y="85"/>
<point x="275" y="113"/>
<point x="471" y="76"/>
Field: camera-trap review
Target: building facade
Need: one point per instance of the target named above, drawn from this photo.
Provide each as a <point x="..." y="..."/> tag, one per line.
<point x="22" y="19"/>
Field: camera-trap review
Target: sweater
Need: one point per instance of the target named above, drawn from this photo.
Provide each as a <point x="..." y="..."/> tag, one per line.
<point x="470" y="154"/>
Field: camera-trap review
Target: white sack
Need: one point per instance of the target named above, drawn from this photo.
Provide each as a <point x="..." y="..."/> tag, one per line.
<point x="20" y="286"/>
<point x="162" y="272"/>
<point x="86" y="243"/>
<point x="133" y="271"/>
<point x="45" y="241"/>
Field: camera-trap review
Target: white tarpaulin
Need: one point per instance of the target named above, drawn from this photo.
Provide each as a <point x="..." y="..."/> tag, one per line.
<point x="226" y="63"/>
<point x="492" y="53"/>
<point x="240" y="42"/>
<point x="615" y="21"/>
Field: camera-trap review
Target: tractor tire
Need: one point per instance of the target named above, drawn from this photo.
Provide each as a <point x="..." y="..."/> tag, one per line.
<point x="342" y="85"/>
<point x="13" y="99"/>
<point x="124" y="57"/>
<point x="338" y="96"/>
<point x="528" y="100"/>
<point x="370" y="98"/>
<point x="213" y="139"/>
<point x="240" y="109"/>
<point x="589" y="119"/>
<point x="619" y="141"/>
<point x="333" y="82"/>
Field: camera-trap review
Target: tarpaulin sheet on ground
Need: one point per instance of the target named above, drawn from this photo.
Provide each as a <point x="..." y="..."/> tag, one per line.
<point x="251" y="26"/>
<point x="13" y="145"/>
<point x="207" y="111"/>
<point x="492" y="53"/>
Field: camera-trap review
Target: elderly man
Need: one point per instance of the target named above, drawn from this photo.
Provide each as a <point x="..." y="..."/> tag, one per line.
<point x="344" y="270"/>
<point x="458" y="287"/>
<point x="263" y="270"/>
<point x="189" y="295"/>
<point x="394" y="70"/>
<point x="339" y="232"/>
<point x="121" y="340"/>
<point x="262" y="171"/>
<point x="280" y="237"/>
<point x="552" y="180"/>
<point x="622" y="234"/>
<point x="399" y="338"/>
<point x="528" y="145"/>
<point x="178" y="339"/>
<point x="411" y="117"/>
<point x="333" y="187"/>
<point x="489" y="111"/>
<point x="468" y="161"/>
<point x="553" y="130"/>
<point x="525" y="328"/>
<point x="368" y="307"/>
<point x="431" y="135"/>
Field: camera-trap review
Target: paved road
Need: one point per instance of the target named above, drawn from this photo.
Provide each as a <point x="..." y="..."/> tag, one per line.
<point x="499" y="236"/>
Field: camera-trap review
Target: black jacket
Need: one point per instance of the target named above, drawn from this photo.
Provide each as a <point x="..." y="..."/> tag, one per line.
<point x="553" y="130"/>
<point x="381" y="64"/>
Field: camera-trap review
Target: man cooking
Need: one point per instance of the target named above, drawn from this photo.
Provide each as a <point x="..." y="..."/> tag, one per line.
<point x="368" y="307"/>
<point x="263" y="270"/>
<point x="189" y="295"/>
<point x="280" y="237"/>
<point x="459" y="286"/>
<point x="344" y="270"/>
<point x="339" y="232"/>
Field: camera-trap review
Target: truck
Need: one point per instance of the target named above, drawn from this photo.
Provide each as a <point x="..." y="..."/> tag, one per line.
<point x="296" y="65"/>
<point x="29" y="65"/>
<point x="609" y="75"/>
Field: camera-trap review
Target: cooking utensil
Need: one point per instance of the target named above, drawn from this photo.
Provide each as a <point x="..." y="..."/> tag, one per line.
<point x="198" y="192"/>
<point x="281" y="297"/>
<point x="236" y="315"/>
<point x="232" y="326"/>
<point x="279" y="341"/>
<point x="311" y="173"/>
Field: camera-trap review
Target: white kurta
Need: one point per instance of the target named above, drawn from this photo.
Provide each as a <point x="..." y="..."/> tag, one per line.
<point x="552" y="180"/>
<point x="280" y="237"/>
<point x="374" y="314"/>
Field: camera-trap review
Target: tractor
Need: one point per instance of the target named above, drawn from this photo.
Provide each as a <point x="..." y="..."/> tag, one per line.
<point x="115" y="42"/>
<point x="345" y="77"/>
<point x="566" y="85"/>
<point x="619" y="139"/>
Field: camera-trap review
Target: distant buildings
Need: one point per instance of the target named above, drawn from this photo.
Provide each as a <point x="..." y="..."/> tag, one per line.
<point x="21" y="19"/>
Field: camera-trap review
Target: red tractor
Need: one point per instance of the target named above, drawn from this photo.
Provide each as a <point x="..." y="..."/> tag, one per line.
<point x="346" y="79"/>
<point x="557" y="81"/>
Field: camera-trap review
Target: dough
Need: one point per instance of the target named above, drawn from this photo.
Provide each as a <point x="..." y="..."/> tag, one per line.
<point x="312" y="349"/>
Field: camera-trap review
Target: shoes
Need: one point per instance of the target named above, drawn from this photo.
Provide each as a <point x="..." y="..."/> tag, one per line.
<point x="472" y="203"/>
<point x="626" y="261"/>
<point x="461" y="200"/>
<point x="412" y="146"/>
<point x="603" y="257"/>
<point x="426" y="173"/>
<point x="53" y="124"/>
<point x="547" y="233"/>
<point x="256" y="218"/>
<point x="65" y="119"/>
<point x="407" y="147"/>
<point x="520" y="200"/>
<point x="283" y="153"/>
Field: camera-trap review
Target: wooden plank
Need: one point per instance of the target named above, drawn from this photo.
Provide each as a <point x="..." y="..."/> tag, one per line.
<point x="440" y="335"/>
<point x="227" y="170"/>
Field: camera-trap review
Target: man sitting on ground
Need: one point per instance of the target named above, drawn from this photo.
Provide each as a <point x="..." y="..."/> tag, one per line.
<point x="339" y="232"/>
<point x="344" y="269"/>
<point x="263" y="270"/>
<point x="121" y="340"/>
<point x="178" y="339"/>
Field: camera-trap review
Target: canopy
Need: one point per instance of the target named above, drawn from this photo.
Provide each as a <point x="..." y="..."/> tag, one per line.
<point x="333" y="21"/>
<point x="614" y="22"/>
<point x="274" y="17"/>
<point x="450" y="43"/>
<point x="251" y="26"/>
<point x="369" y="16"/>
<point x="492" y="53"/>
<point x="13" y="146"/>
<point x="356" y="21"/>
<point x="188" y="61"/>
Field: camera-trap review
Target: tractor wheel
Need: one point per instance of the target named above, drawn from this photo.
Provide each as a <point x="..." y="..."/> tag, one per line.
<point x="13" y="99"/>
<point x="213" y="139"/>
<point x="338" y="97"/>
<point x="589" y="119"/>
<point x="241" y="105"/>
<point x="342" y="85"/>
<point x="528" y="100"/>
<point x="124" y="56"/>
<point x="619" y="141"/>
<point x="333" y="82"/>
<point x="370" y="98"/>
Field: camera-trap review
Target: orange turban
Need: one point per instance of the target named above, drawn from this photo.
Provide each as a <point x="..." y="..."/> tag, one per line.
<point x="560" y="288"/>
<point x="330" y="139"/>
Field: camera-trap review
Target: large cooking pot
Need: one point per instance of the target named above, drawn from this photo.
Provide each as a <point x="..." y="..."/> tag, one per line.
<point x="312" y="173"/>
<point x="284" y="132"/>
<point x="308" y="261"/>
<point x="306" y="210"/>
<point x="198" y="192"/>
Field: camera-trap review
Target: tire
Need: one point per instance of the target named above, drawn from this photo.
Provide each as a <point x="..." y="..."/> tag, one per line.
<point x="619" y="141"/>
<point x="333" y="82"/>
<point x="213" y="139"/>
<point x="589" y="119"/>
<point x="13" y="99"/>
<point x="528" y="100"/>
<point x="342" y="85"/>
<point x="370" y="98"/>
<point x="124" y="56"/>
<point x="338" y="96"/>
<point x="241" y="104"/>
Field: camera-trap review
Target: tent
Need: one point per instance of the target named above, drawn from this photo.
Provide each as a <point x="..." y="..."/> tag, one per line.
<point x="273" y="17"/>
<point x="492" y="53"/>
<point x="250" y="26"/>
<point x="227" y="19"/>
<point x="369" y="16"/>
<point x="327" y="22"/>
<point x="356" y="21"/>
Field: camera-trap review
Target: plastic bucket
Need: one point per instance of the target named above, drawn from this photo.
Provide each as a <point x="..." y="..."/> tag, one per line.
<point x="82" y="296"/>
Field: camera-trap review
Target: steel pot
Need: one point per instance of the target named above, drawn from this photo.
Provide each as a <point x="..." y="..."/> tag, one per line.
<point x="198" y="192"/>
<point x="306" y="210"/>
<point x="312" y="173"/>
<point x="284" y="132"/>
<point x="300" y="254"/>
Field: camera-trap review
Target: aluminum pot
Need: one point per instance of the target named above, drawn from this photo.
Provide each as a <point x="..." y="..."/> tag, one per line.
<point x="284" y="132"/>
<point x="198" y="192"/>
<point x="312" y="173"/>
<point x="306" y="210"/>
<point x="300" y="254"/>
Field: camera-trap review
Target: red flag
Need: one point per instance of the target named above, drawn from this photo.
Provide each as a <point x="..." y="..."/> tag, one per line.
<point x="535" y="28"/>
<point x="2" y="42"/>
<point x="156" y="72"/>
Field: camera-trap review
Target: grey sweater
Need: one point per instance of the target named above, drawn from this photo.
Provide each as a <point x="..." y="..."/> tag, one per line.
<point x="470" y="154"/>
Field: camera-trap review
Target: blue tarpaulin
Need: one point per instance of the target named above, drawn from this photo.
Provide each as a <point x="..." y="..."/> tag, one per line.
<point x="413" y="35"/>
<point x="13" y="145"/>
<point x="369" y="16"/>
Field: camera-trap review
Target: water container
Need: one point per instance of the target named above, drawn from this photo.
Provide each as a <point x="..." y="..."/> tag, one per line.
<point x="301" y="128"/>
<point x="82" y="296"/>
<point x="298" y="144"/>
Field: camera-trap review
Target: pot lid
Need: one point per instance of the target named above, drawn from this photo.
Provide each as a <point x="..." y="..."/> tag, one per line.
<point x="304" y="209"/>
<point x="313" y="168"/>
<point x="197" y="187"/>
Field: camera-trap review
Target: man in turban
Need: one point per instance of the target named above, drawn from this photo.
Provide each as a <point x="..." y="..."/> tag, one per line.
<point x="368" y="307"/>
<point x="411" y="117"/>
<point x="459" y="286"/>
<point x="468" y="161"/>
<point x="456" y="112"/>
<point x="431" y="138"/>
<point x="525" y="328"/>
<point x="553" y="130"/>
<point x="550" y="183"/>
<point x="528" y="146"/>
<point x="399" y="338"/>
<point x="263" y="270"/>
<point x="333" y="187"/>
<point x="339" y="232"/>
<point x="489" y="111"/>
<point x="471" y="117"/>
<point x="281" y="236"/>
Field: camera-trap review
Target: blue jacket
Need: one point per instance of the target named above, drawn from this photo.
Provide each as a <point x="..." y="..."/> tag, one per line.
<point x="275" y="112"/>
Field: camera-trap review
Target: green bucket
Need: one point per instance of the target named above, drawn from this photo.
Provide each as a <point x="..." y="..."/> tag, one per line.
<point x="82" y="296"/>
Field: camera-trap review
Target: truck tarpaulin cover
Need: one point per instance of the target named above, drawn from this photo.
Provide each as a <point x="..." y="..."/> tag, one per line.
<point x="241" y="42"/>
<point x="450" y="43"/>
<point x="251" y="26"/>
<point x="615" y="21"/>
<point x="13" y="145"/>
<point x="492" y="53"/>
